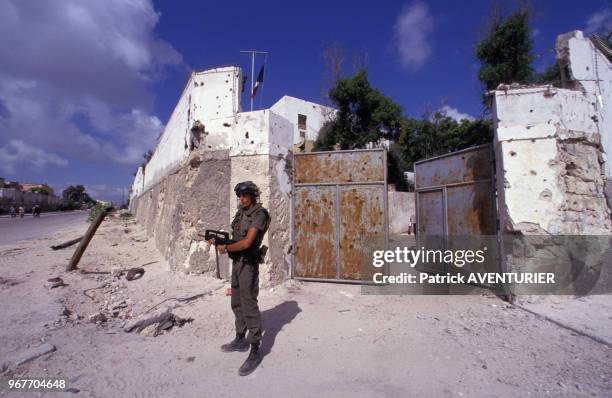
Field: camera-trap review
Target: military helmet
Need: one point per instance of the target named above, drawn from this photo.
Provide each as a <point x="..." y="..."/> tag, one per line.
<point x="247" y="187"/>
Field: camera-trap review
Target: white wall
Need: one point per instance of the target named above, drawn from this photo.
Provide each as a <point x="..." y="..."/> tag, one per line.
<point x="548" y="175"/>
<point x="316" y="116"/>
<point x="592" y="70"/>
<point x="209" y="96"/>
<point x="261" y="133"/>
<point x="138" y="184"/>
<point x="401" y="211"/>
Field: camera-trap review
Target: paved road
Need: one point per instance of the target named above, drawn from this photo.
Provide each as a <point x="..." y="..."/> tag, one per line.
<point x="17" y="229"/>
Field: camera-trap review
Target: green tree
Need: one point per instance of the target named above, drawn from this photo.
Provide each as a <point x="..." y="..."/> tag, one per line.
<point x="505" y="54"/>
<point x="438" y="134"/>
<point x="364" y="115"/>
<point x="76" y="194"/>
<point x="40" y="190"/>
<point x="550" y="75"/>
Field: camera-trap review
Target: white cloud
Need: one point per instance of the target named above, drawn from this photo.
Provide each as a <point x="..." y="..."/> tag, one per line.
<point x="455" y="114"/>
<point x="412" y="35"/>
<point x="599" y="21"/>
<point x="16" y="154"/>
<point x="106" y="192"/>
<point x="75" y="77"/>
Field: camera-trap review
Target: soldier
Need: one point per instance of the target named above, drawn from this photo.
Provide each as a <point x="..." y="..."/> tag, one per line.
<point x="248" y="228"/>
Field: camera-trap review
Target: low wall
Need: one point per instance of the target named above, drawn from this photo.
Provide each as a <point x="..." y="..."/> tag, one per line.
<point x="15" y="197"/>
<point x="185" y="203"/>
<point x="401" y="209"/>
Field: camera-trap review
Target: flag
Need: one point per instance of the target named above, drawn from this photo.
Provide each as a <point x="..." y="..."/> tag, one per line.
<point x="258" y="82"/>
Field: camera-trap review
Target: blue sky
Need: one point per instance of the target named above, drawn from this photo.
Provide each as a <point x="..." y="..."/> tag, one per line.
<point x="86" y="86"/>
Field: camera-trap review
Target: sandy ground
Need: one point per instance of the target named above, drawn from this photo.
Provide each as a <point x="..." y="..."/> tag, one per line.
<point x="320" y="339"/>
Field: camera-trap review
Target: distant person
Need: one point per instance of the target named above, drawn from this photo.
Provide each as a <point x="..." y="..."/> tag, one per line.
<point x="13" y="212"/>
<point x="21" y="211"/>
<point x="36" y="211"/>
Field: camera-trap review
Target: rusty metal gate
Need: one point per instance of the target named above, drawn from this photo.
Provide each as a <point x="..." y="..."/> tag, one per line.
<point x="455" y="196"/>
<point x="339" y="201"/>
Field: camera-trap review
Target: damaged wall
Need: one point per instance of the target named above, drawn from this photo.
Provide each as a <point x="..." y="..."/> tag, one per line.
<point x="211" y="98"/>
<point x="551" y="146"/>
<point x="587" y="69"/>
<point x="188" y="201"/>
<point x="260" y="149"/>
<point x="207" y="147"/>
<point x="549" y="162"/>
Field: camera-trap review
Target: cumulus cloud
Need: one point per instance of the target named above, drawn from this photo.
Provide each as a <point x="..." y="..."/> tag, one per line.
<point x="599" y="21"/>
<point x="75" y="77"/>
<point x="455" y="113"/>
<point x="412" y="35"/>
<point x="16" y="154"/>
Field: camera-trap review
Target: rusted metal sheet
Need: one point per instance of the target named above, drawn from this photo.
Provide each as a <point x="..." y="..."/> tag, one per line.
<point x="339" y="202"/>
<point x="340" y="167"/>
<point x="471" y="209"/>
<point x="362" y="220"/>
<point x="315" y="232"/>
<point x="431" y="213"/>
<point x="472" y="164"/>
<point x="455" y="193"/>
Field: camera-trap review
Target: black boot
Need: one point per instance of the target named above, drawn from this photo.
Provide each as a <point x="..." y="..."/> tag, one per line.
<point x="252" y="361"/>
<point x="238" y="344"/>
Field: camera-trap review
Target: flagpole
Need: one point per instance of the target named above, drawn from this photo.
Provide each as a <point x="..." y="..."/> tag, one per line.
<point x="253" y="52"/>
<point x="252" y="77"/>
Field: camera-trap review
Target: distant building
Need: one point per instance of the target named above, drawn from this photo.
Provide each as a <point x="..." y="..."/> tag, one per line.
<point x="27" y="186"/>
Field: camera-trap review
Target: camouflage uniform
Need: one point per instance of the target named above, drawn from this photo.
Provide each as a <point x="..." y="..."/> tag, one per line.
<point x="245" y="271"/>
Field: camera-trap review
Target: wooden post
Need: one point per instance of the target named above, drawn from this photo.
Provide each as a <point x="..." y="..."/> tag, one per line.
<point x="93" y="227"/>
<point x="67" y="244"/>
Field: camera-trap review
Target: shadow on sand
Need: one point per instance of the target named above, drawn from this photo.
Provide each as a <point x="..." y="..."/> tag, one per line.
<point x="273" y="321"/>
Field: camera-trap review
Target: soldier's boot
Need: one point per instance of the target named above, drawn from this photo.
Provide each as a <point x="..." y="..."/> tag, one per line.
<point x="238" y="344"/>
<point x="253" y="360"/>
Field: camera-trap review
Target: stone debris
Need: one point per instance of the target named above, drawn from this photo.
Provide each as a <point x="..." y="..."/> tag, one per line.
<point x="52" y="283"/>
<point x="156" y="325"/>
<point x="34" y="353"/>
<point x="98" y="318"/>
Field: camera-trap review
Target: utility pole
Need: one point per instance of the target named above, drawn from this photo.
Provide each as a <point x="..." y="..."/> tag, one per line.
<point x="253" y="52"/>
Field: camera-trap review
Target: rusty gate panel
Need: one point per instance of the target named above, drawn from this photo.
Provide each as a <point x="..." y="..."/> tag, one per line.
<point x="464" y="184"/>
<point x="315" y="221"/>
<point x="339" y="202"/>
<point x="471" y="210"/>
<point x="471" y="164"/>
<point x="431" y="210"/>
<point x="359" y="207"/>
<point x="340" y="166"/>
<point x="455" y="200"/>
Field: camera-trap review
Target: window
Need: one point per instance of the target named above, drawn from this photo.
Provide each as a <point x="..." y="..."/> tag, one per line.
<point x="301" y="122"/>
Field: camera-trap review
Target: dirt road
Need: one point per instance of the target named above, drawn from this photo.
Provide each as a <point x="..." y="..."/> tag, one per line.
<point x="323" y="340"/>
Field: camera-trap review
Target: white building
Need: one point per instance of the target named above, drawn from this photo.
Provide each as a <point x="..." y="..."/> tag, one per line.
<point x="209" y="116"/>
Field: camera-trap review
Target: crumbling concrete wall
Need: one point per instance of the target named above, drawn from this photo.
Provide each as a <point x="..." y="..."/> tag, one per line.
<point x="199" y="195"/>
<point x="401" y="211"/>
<point x="185" y="203"/>
<point x="586" y="68"/>
<point x="549" y="162"/>
<point x="210" y="99"/>
<point x="260" y="153"/>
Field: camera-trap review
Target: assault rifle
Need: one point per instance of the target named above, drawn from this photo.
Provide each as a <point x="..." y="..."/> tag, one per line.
<point x="218" y="238"/>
